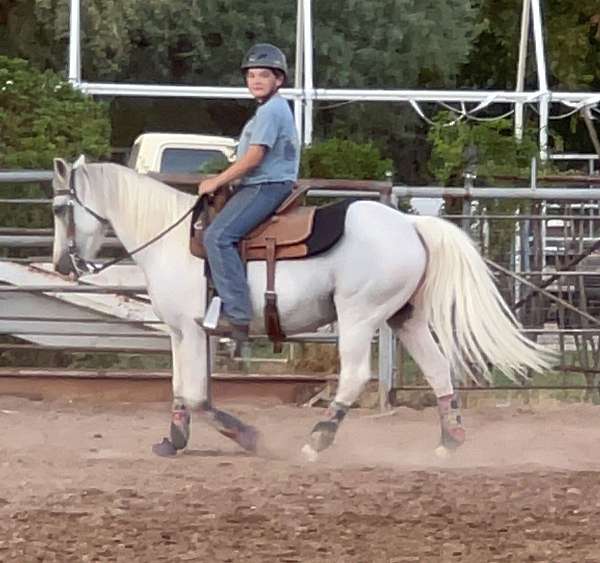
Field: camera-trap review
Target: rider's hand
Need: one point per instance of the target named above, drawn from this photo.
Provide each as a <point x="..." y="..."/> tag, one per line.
<point x="208" y="186"/>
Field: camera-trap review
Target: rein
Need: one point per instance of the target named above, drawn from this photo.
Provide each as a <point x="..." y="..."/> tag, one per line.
<point x="80" y="264"/>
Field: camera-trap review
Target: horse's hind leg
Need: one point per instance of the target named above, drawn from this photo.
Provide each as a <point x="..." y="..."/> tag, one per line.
<point x="416" y="337"/>
<point x="355" y="354"/>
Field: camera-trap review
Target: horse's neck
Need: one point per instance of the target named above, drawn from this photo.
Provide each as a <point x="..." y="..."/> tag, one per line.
<point x="139" y="208"/>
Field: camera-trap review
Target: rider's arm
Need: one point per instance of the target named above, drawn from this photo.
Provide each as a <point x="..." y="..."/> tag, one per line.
<point x="238" y="169"/>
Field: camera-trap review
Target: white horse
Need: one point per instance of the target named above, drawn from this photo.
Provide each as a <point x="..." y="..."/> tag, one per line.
<point x="419" y="274"/>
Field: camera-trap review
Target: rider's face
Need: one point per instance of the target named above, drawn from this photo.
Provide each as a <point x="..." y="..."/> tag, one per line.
<point x="262" y="82"/>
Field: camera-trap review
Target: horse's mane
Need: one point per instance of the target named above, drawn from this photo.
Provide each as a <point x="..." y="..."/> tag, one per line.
<point x="146" y="205"/>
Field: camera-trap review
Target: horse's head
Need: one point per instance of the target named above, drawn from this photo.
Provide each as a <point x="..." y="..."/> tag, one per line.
<point x="79" y="226"/>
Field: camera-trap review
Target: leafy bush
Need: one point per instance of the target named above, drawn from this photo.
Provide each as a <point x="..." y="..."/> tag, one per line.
<point x="493" y="150"/>
<point x="42" y="116"/>
<point x="339" y="158"/>
<point x="498" y="152"/>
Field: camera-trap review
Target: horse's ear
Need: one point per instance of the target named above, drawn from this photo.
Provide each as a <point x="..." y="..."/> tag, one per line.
<point x="61" y="171"/>
<point x="79" y="162"/>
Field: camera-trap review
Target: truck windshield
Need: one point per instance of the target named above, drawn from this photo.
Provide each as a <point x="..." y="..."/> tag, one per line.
<point x="189" y="161"/>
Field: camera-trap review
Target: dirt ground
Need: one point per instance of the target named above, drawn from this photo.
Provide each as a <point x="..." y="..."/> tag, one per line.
<point x="78" y="482"/>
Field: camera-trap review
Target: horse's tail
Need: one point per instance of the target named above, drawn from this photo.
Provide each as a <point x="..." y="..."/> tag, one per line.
<point x="473" y="324"/>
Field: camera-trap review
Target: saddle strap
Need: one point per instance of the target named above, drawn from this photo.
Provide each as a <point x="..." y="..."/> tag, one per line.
<point x="271" y="313"/>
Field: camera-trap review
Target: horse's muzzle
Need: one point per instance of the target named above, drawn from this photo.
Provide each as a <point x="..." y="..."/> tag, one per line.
<point x="64" y="265"/>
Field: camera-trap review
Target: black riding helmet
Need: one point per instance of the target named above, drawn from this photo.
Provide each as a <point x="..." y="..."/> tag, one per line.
<point x="265" y="55"/>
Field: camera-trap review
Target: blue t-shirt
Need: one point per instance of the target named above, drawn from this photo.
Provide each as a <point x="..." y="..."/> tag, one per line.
<point x="273" y="127"/>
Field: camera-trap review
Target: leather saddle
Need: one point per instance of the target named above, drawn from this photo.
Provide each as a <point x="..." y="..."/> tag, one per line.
<point x="294" y="231"/>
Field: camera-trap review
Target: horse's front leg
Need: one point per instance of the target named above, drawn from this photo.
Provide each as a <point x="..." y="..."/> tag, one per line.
<point x="180" y="413"/>
<point x="225" y="423"/>
<point x="179" y="432"/>
<point x="191" y="394"/>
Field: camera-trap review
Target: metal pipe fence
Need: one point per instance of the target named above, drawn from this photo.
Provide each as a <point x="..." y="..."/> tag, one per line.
<point x="32" y="327"/>
<point x="550" y="227"/>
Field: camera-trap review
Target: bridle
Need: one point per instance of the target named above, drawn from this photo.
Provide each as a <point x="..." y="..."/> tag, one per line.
<point x="80" y="264"/>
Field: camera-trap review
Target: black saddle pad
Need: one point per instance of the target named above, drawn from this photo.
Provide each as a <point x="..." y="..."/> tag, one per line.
<point x="328" y="226"/>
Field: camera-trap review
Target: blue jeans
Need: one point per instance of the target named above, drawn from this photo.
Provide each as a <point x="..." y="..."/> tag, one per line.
<point x="247" y="208"/>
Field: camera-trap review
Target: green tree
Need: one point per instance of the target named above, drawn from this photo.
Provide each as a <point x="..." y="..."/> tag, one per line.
<point x="42" y="116"/>
<point x="490" y="149"/>
<point x="571" y="35"/>
<point x="389" y="44"/>
<point x="340" y="158"/>
<point x="572" y="46"/>
<point x="191" y="42"/>
<point x="496" y="150"/>
<point x="366" y="44"/>
<point x="392" y="43"/>
<point x="374" y="43"/>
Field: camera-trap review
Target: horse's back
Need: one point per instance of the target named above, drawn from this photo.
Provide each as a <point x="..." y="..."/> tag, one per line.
<point x="386" y="228"/>
<point x="380" y="246"/>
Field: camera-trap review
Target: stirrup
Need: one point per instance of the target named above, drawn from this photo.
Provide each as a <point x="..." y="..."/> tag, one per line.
<point x="227" y="329"/>
<point x="211" y="318"/>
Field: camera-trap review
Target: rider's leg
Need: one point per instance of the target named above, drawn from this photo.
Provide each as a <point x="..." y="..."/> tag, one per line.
<point x="249" y="207"/>
<point x="418" y="341"/>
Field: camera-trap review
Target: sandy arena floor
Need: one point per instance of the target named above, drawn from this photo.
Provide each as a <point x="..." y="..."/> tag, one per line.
<point x="78" y="483"/>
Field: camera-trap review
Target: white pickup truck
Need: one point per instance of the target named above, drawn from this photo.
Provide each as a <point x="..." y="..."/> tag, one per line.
<point x="181" y="153"/>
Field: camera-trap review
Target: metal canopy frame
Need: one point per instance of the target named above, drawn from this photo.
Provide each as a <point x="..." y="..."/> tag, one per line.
<point x="304" y="93"/>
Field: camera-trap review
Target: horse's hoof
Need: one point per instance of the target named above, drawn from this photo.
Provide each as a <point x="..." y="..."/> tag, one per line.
<point x="164" y="449"/>
<point x="309" y="453"/>
<point x="453" y="438"/>
<point x="248" y="439"/>
<point x="180" y="428"/>
<point x="323" y="435"/>
<point x="442" y="452"/>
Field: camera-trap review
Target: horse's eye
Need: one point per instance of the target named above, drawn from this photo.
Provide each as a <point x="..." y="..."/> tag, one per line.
<point x="60" y="210"/>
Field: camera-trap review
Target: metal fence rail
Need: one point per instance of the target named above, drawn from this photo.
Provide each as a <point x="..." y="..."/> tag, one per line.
<point x="558" y="223"/>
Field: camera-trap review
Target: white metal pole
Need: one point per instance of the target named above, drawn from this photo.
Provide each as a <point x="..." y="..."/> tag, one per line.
<point x="330" y="95"/>
<point x="308" y="72"/>
<point x="298" y="106"/>
<point x="75" y="43"/>
<point x="544" y="119"/>
<point x="522" y="66"/>
<point x="538" y="34"/>
<point x="386" y="365"/>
